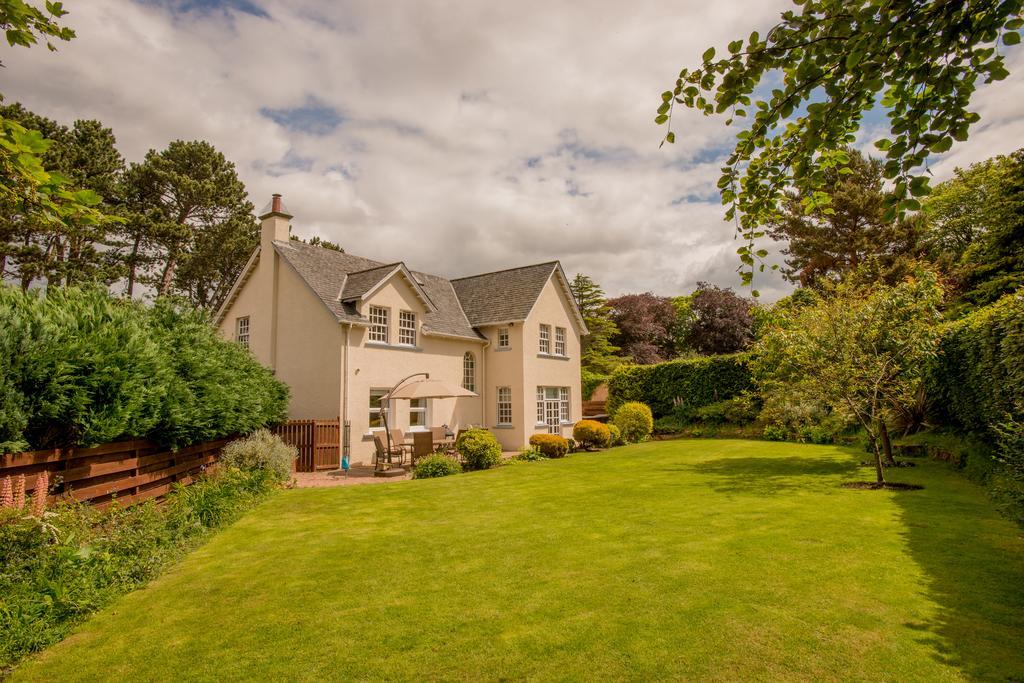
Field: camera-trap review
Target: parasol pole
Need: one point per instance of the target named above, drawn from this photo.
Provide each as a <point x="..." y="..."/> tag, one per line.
<point x="385" y="411"/>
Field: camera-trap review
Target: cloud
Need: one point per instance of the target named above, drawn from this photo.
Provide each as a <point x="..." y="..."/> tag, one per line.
<point x="460" y="137"/>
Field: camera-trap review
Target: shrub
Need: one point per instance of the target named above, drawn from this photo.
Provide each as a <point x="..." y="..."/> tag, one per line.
<point x="56" y="570"/>
<point x="738" y="410"/>
<point x="680" y="387"/>
<point x="615" y="436"/>
<point x="635" y="421"/>
<point x="261" y="450"/>
<point x="775" y="433"/>
<point x="79" y="367"/>
<point x="551" y="445"/>
<point x="531" y="455"/>
<point x="479" y="449"/>
<point x="436" y="465"/>
<point x="670" y="424"/>
<point x="591" y="434"/>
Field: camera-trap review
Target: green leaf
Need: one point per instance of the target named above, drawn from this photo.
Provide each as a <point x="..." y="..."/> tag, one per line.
<point x="671" y="137"/>
<point x="660" y="119"/>
<point x="735" y="46"/>
<point x="1011" y="38"/>
<point x="666" y="96"/>
<point x="942" y="145"/>
<point x="709" y="54"/>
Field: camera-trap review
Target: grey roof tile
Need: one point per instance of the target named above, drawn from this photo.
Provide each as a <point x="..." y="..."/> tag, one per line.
<point x="504" y="295"/>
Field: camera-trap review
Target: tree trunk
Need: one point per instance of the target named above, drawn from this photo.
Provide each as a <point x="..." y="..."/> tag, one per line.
<point x="133" y="261"/>
<point x="880" y="476"/>
<point x="883" y="432"/>
<point x="168" y="277"/>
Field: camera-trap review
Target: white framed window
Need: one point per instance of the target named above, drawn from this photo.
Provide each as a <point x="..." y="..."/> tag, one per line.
<point x="559" y="341"/>
<point x="407" y="328"/>
<point x="503" y="338"/>
<point x="553" y="402"/>
<point x="504" y="405"/>
<point x="376" y="419"/>
<point x="545" y="339"/>
<point x="242" y="331"/>
<point x="419" y="412"/>
<point x="469" y="371"/>
<point x="378" y="324"/>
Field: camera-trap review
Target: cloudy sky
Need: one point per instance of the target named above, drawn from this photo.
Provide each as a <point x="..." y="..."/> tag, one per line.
<point x="459" y="137"/>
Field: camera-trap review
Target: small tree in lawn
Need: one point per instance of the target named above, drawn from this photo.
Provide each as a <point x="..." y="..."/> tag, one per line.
<point x="860" y="349"/>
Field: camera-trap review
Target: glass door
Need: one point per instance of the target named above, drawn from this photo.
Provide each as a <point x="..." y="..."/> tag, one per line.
<point x="552" y="410"/>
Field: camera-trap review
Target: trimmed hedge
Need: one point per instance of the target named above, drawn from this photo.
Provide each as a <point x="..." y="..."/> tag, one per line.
<point x="79" y="367"/>
<point x="591" y="434"/>
<point x="978" y="378"/>
<point x="634" y="422"/>
<point x="551" y="445"/>
<point x="479" y="449"/>
<point x="680" y="387"/>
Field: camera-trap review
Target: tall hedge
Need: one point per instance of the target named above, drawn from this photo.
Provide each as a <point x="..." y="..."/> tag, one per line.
<point x="79" y="367"/>
<point x="680" y="387"/>
<point x="978" y="377"/>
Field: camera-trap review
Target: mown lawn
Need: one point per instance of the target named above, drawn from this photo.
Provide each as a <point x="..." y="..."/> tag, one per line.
<point x="716" y="560"/>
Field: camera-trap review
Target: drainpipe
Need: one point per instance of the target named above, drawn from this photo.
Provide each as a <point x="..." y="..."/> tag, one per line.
<point x="346" y="427"/>
<point x="483" y="383"/>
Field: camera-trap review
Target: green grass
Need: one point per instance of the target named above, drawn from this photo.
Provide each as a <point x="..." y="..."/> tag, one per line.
<point x="717" y="560"/>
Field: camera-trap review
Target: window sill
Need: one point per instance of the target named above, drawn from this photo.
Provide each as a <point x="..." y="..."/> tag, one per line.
<point x="503" y="427"/>
<point x="394" y="347"/>
<point x="502" y="348"/>
<point x="552" y="356"/>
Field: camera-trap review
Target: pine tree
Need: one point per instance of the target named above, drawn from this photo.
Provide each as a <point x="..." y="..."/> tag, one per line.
<point x="598" y="353"/>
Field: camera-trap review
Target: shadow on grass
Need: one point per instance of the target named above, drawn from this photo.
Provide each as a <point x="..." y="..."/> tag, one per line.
<point x="768" y="476"/>
<point x="975" y="566"/>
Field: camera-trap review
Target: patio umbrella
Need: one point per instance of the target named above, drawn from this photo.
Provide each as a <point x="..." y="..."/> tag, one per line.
<point x="421" y="388"/>
<point x="428" y="388"/>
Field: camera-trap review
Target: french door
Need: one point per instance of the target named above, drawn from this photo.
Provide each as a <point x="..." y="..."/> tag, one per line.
<point x="552" y="411"/>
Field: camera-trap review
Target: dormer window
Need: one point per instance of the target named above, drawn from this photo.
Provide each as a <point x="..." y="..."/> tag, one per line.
<point x="407" y="328"/>
<point x="378" y="324"/>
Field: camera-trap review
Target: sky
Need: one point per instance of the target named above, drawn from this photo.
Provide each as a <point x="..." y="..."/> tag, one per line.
<point x="459" y="137"/>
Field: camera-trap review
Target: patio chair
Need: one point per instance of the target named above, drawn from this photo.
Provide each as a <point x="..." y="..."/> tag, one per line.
<point x="382" y="451"/>
<point x="422" y="445"/>
<point x="398" y="440"/>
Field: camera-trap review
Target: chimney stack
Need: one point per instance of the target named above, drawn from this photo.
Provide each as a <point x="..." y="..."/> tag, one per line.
<point x="275" y="224"/>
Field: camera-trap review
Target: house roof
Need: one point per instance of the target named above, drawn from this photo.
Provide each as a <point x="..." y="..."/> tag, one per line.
<point x="504" y="295"/>
<point x="454" y="307"/>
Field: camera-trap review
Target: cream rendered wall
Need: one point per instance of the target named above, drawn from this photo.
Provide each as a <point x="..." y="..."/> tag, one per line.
<point x="554" y="309"/>
<point x="309" y="342"/>
<point x="505" y="369"/>
<point x="254" y="301"/>
<point x="373" y="366"/>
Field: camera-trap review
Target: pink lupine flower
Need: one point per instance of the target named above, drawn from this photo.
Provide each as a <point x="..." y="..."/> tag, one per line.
<point x="39" y="494"/>
<point x="7" y="494"/>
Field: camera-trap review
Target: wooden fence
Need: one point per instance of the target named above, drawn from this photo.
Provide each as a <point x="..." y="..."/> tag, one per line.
<point x="128" y="471"/>
<point x="318" y="441"/>
<point x="595" y="410"/>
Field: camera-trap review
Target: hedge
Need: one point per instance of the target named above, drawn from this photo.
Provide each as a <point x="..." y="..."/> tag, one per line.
<point x="978" y="378"/>
<point x="680" y="387"/>
<point x="79" y="367"/>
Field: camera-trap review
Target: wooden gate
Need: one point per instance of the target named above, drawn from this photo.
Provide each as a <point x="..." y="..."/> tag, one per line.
<point x="318" y="441"/>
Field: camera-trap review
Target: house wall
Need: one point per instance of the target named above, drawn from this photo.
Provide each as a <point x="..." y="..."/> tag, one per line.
<point x="375" y="366"/>
<point x="552" y="308"/>
<point x="505" y="369"/>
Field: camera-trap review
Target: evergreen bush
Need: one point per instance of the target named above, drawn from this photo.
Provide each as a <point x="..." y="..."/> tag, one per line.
<point x="591" y="434"/>
<point x="479" y="449"/>
<point x="550" y="445"/>
<point x="634" y="420"/>
<point x="436" y="465"/>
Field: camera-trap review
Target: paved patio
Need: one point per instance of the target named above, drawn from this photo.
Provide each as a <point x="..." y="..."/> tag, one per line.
<point x="358" y="474"/>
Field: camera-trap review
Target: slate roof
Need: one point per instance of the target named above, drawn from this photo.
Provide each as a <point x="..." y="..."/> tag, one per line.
<point x="340" y="279"/>
<point x="502" y="296"/>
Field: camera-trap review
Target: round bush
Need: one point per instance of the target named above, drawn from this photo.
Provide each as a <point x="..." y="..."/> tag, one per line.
<point x="635" y="420"/>
<point x="591" y="434"/>
<point x="479" y="449"/>
<point x="436" y="465"/>
<point x="775" y="433"/>
<point x="261" y="450"/>
<point x="551" y="445"/>
<point x="615" y="436"/>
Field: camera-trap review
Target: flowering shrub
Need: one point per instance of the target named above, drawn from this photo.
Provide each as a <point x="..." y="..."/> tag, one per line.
<point x="261" y="450"/>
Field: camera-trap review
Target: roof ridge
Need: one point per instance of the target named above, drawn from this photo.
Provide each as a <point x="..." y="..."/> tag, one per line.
<point x="383" y="265"/>
<point x="506" y="270"/>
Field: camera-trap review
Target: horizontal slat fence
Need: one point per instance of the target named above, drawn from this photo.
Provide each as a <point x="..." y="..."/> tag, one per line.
<point x="318" y="443"/>
<point x="128" y="471"/>
<point x="595" y="409"/>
